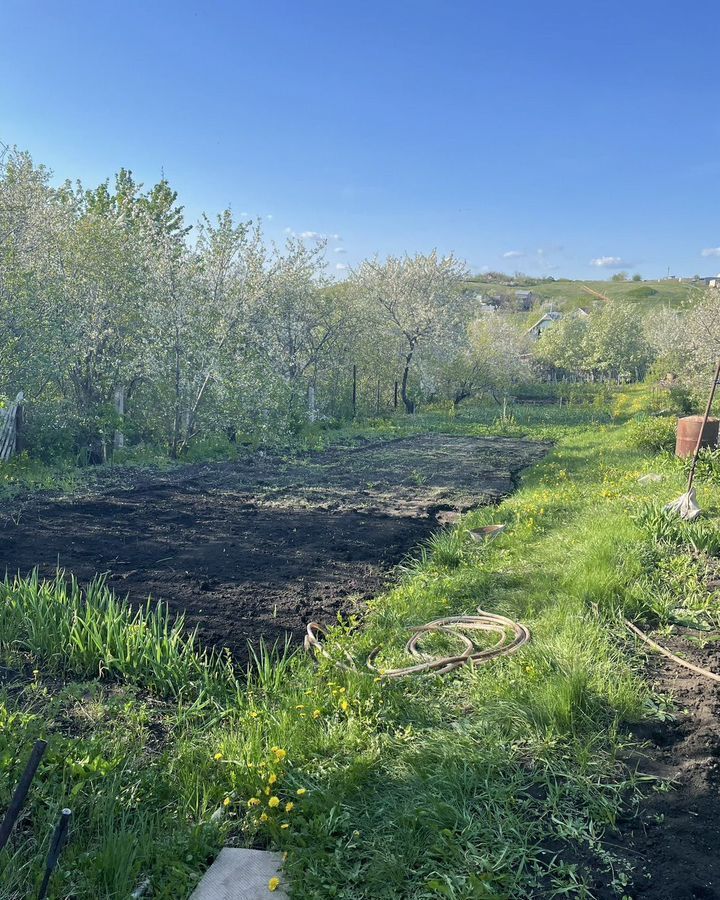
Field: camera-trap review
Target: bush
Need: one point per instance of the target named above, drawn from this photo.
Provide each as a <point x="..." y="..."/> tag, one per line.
<point x="652" y="434"/>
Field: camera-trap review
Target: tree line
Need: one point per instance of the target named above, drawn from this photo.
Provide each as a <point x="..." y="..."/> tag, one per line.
<point x="118" y="318"/>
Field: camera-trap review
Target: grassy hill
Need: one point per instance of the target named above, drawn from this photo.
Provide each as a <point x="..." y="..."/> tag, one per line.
<point x="568" y="295"/>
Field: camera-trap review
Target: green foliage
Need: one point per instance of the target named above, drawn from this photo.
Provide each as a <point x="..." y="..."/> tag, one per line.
<point x="91" y="632"/>
<point x="652" y="434"/>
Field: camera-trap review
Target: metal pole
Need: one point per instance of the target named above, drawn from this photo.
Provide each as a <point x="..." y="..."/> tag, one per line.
<point x="56" y="844"/>
<point x="21" y="792"/>
<point x="702" y="427"/>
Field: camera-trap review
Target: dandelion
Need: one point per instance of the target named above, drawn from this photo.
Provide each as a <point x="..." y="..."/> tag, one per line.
<point x="345" y="706"/>
<point x="254" y="801"/>
<point x="289" y="806"/>
<point x="284" y="826"/>
<point x="316" y="714"/>
<point x="254" y="714"/>
<point x="300" y="706"/>
<point x="226" y="801"/>
<point x="274" y="883"/>
<point x="218" y="757"/>
<point x="274" y="802"/>
<point x="263" y="817"/>
<point x="272" y="778"/>
<point x="279" y="753"/>
<point x="301" y="792"/>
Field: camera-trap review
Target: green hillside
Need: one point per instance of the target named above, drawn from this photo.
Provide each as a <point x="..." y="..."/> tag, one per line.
<point x="568" y="294"/>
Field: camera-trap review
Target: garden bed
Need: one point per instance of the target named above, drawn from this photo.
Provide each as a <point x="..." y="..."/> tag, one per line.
<point x="258" y="547"/>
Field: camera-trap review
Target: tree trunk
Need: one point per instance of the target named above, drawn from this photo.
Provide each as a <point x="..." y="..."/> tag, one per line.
<point x="409" y="404"/>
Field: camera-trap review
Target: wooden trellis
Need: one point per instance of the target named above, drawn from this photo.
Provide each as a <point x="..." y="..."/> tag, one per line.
<point x="9" y="420"/>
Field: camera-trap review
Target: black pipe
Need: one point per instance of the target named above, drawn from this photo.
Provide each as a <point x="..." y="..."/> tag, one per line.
<point x="56" y="845"/>
<point x="21" y="791"/>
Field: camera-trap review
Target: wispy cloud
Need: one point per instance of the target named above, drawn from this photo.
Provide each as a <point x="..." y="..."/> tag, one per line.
<point x="513" y="254"/>
<point x="609" y="262"/>
<point x="319" y="236"/>
<point x="341" y="267"/>
<point x="710" y="251"/>
<point x="339" y="250"/>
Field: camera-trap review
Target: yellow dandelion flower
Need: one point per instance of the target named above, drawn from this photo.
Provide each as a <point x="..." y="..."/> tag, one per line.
<point x="226" y="801"/>
<point x="316" y="714"/>
<point x="272" y="778"/>
<point x="266" y="791"/>
<point x="254" y="801"/>
<point x="274" y="802"/>
<point x="301" y="792"/>
<point x="279" y="753"/>
<point x="263" y="817"/>
<point x="274" y="883"/>
<point x="254" y="714"/>
<point x="218" y="757"/>
<point x="284" y="826"/>
<point x="345" y="706"/>
<point x="289" y="806"/>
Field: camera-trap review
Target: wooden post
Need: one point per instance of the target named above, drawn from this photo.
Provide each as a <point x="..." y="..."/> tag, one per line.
<point x="19" y="422"/>
<point x="119" y="439"/>
<point x="354" y="394"/>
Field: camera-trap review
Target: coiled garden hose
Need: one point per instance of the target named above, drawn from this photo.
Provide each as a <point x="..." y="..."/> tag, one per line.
<point x="440" y="665"/>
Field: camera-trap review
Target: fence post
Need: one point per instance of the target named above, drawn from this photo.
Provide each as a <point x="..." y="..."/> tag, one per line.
<point x="19" y="422"/>
<point x="119" y="439"/>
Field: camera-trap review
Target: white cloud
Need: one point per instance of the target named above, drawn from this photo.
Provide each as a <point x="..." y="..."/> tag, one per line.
<point x="609" y="262"/>
<point x="339" y="250"/>
<point x="710" y="251"/>
<point x="269" y="216"/>
<point x="513" y="254"/>
<point x="289" y="231"/>
<point x="319" y="236"/>
<point x="341" y="267"/>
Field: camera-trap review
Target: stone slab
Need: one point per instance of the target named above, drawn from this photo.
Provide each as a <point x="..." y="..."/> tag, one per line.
<point x="242" y="875"/>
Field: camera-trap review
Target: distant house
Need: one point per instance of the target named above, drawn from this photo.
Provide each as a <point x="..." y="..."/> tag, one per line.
<point x="524" y="299"/>
<point x="543" y="323"/>
<point x="711" y="280"/>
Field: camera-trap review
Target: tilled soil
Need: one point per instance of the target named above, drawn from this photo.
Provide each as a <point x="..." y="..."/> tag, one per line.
<point x="674" y="846"/>
<point x="259" y="547"/>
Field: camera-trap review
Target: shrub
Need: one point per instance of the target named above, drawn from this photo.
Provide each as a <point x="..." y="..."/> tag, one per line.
<point x="652" y="434"/>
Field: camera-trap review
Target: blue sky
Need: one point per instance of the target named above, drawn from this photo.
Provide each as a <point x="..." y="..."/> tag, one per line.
<point x="556" y="132"/>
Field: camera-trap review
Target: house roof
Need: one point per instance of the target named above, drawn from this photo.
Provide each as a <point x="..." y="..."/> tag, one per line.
<point x="552" y="316"/>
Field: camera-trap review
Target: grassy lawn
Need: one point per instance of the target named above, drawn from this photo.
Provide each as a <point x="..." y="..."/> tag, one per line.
<point x="499" y="781"/>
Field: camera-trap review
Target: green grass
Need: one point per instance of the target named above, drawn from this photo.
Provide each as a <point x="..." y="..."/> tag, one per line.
<point x="489" y="783"/>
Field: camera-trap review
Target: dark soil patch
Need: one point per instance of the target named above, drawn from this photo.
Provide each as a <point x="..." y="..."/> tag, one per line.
<point x="259" y="547"/>
<point x="675" y="843"/>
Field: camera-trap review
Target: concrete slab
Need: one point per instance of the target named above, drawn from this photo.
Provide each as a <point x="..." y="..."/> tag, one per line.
<point x="242" y="875"/>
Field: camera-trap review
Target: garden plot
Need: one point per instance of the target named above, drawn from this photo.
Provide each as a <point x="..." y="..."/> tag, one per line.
<point x="259" y="547"/>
